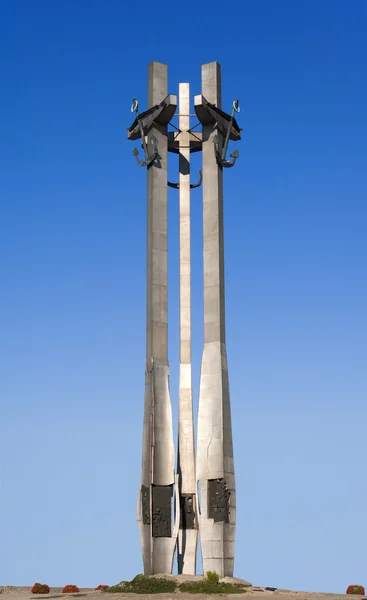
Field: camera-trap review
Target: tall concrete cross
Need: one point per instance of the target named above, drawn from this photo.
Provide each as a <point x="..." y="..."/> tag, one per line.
<point x="188" y="532"/>
<point x="212" y="476"/>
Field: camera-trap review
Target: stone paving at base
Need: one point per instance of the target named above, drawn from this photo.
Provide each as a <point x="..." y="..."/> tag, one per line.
<point x="23" y="593"/>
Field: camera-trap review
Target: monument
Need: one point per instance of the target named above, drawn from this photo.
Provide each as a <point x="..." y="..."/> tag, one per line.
<point x="201" y="493"/>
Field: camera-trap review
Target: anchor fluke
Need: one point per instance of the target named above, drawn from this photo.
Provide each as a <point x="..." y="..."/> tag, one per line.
<point x="149" y="156"/>
<point x="230" y="163"/>
<point x="176" y="186"/>
<point x="198" y="184"/>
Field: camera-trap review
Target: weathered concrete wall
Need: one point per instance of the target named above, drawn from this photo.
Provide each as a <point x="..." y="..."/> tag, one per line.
<point x="158" y="446"/>
<point x="214" y="436"/>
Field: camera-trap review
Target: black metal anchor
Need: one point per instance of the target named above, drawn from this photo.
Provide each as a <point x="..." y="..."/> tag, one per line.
<point x="152" y="141"/>
<point x="221" y="154"/>
<point x="176" y="186"/>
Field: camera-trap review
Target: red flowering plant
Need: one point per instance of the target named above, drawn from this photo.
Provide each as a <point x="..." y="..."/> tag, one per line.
<point x="355" y="589"/>
<point x="70" y="589"/>
<point x="40" y="588"/>
<point x="102" y="587"/>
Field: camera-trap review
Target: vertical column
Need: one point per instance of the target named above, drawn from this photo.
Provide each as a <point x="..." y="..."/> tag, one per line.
<point x="188" y="534"/>
<point x="214" y="463"/>
<point x="155" y="501"/>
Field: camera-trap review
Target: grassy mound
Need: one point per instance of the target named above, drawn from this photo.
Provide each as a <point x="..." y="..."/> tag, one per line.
<point x="144" y="585"/>
<point x="155" y="585"/>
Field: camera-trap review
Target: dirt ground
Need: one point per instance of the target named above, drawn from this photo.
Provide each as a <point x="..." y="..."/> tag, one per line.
<point x="252" y="593"/>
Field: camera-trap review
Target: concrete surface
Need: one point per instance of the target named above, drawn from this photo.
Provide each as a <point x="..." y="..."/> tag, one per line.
<point x="214" y="430"/>
<point x="187" y="539"/>
<point x="158" y="446"/>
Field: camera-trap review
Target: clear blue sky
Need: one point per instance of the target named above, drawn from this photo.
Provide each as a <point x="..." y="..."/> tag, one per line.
<point x="72" y="270"/>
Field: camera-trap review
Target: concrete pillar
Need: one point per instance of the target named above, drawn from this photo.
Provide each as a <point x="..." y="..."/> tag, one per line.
<point x="158" y="534"/>
<point x="214" y="461"/>
<point x="188" y="534"/>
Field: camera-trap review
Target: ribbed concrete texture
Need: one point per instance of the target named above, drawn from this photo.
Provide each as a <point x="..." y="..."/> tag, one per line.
<point x="158" y="447"/>
<point x="214" y="461"/>
<point x="188" y="533"/>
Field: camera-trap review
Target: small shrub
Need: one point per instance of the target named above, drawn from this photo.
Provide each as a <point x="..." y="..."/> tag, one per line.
<point x="70" y="589"/>
<point x="355" y="589"/>
<point x="145" y="585"/>
<point x="211" y="587"/>
<point x="212" y="576"/>
<point x="40" y="588"/>
<point x="102" y="587"/>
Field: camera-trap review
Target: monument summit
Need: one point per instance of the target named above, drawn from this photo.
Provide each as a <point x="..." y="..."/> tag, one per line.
<point x="203" y="484"/>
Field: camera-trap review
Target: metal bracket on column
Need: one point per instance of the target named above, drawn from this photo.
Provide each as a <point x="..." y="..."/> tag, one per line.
<point x="176" y="186"/>
<point x="150" y="148"/>
<point x="221" y="153"/>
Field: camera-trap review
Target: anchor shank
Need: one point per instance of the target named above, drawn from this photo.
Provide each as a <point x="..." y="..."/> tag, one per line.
<point x="224" y="151"/>
<point x="142" y="136"/>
